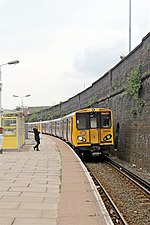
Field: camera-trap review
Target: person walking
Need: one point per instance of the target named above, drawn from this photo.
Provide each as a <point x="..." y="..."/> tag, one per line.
<point x="37" y="139"/>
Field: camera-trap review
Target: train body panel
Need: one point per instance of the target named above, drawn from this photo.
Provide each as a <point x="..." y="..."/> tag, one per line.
<point x="48" y="128"/>
<point x="64" y="129"/>
<point x="88" y="130"/>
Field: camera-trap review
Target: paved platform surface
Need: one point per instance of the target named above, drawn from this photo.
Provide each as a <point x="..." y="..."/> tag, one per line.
<point x="49" y="187"/>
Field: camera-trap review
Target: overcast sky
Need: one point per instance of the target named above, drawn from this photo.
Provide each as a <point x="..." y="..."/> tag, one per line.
<point x="63" y="45"/>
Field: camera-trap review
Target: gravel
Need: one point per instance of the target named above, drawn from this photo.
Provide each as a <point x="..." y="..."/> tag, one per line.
<point x="134" y="205"/>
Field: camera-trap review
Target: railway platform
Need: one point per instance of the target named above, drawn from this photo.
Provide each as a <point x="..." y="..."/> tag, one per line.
<point x="48" y="187"/>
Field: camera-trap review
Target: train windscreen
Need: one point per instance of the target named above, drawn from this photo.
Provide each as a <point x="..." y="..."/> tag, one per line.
<point x="105" y="120"/>
<point x="93" y="120"/>
<point x="82" y="121"/>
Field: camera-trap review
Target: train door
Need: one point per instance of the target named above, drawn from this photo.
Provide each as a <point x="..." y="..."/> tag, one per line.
<point x="69" y="129"/>
<point x="62" y="129"/>
<point x="65" y="129"/>
<point x="94" y="127"/>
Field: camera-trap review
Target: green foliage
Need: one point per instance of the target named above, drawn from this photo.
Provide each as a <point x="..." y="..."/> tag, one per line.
<point x="93" y="101"/>
<point x="42" y="115"/>
<point x="18" y="108"/>
<point x="132" y="88"/>
<point x="32" y="117"/>
<point x="133" y="84"/>
<point x="134" y="112"/>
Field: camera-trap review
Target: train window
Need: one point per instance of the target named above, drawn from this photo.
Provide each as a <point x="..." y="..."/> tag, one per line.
<point x="82" y="121"/>
<point x="105" y="120"/>
<point x="93" y="120"/>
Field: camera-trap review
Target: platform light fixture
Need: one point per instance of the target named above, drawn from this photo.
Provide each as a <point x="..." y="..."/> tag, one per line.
<point x="22" y="97"/>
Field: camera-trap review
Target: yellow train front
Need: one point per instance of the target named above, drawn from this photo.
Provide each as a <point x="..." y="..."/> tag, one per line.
<point x="90" y="131"/>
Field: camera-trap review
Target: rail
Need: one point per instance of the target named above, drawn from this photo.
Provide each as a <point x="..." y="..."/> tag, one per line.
<point x="136" y="179"/>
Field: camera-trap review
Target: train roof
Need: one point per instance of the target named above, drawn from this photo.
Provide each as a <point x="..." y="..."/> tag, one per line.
<point x="94" y="110"/>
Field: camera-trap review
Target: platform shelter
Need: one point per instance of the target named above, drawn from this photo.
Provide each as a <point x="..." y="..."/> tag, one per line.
<point x="13" y="130"/>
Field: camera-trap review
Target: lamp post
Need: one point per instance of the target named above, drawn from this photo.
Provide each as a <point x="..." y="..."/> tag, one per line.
<point x="9" y="63"/>
<point x="21" y="97"/>
<point x="129" y="25"/>
<point x="1" y="134"/>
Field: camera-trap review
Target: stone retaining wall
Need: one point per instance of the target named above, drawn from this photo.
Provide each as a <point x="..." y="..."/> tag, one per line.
<point x="108" y="91"/>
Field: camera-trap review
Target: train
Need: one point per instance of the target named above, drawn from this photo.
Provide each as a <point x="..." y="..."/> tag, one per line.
<point x="89" y="131"/>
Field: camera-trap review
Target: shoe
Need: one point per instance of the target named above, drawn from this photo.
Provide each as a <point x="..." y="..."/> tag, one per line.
<point x="34" y="148"/>
<point x="38" y="150"/>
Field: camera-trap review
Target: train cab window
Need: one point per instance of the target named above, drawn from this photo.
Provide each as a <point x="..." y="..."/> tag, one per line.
<point x="93" y="120"/>
<point x="82" y="121"/>
<point x="105" y="120"/>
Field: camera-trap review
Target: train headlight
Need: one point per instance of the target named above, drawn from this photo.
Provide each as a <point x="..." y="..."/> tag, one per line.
<point x="107" y="137"/>
<point x="80" y="138"/>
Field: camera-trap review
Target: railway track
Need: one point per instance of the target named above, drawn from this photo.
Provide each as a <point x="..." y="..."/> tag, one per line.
<point x="115" y="214"/>
<point x="126" y="200"/>
<point x="136" y="179"/>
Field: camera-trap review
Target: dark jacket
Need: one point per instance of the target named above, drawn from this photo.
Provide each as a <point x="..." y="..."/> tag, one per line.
<point x="36" y="135"/>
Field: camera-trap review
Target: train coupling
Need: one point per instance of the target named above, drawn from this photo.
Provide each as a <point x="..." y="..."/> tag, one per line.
<point x="96" y="154"/>
<point x="96" y="150"/>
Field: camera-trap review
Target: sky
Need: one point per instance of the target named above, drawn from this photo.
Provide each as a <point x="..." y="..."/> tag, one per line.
<point x="63" y="46"/>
